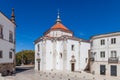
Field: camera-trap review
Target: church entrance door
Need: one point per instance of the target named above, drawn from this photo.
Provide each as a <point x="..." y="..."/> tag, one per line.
<point x="72" y="66"/>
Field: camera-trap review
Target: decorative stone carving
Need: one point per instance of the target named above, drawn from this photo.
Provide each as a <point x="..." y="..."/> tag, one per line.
<point x="73" y="60"/>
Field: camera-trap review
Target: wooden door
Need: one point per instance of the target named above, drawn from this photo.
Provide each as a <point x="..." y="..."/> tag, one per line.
<point x="102" y="70"/>
<point x="113" y="70"/>
<point x="72" y="66"/>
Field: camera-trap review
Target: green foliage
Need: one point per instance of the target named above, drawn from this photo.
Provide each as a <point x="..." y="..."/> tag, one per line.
<point x="25" y="56"/>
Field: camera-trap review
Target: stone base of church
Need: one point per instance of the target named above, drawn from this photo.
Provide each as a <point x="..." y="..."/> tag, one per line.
<point x="6" y="68"/>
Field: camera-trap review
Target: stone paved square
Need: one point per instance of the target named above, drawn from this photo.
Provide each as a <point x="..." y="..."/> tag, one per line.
<point x="56" y="75"/>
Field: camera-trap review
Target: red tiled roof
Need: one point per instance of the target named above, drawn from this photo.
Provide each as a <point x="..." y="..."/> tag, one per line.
<point x="59" y="26"/>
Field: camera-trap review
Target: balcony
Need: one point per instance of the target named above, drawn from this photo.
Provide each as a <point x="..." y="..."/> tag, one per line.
<point x="113" y="60"/>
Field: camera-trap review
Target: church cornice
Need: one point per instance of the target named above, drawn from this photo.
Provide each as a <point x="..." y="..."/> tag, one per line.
<point x="67" y="31"/>
<point x="62" y="38"/>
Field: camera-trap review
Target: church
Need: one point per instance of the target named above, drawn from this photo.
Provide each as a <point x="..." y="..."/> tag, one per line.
<point x="59" y="50"/>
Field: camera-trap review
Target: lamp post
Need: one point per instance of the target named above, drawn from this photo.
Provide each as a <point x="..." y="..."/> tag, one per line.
<point x="22" y="59"/>
<point x="38" y="60"/>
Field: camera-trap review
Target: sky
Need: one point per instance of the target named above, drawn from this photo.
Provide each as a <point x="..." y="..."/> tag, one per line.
<point x="85" y="18"/>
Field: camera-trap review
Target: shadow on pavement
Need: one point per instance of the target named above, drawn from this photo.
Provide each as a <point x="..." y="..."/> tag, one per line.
<point x="20" y="69"/>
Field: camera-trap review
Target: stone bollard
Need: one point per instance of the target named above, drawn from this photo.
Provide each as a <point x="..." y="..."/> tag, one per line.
<point x="84" y="77"/>
<point x="75" y="75"/>
<point x="52" y="76"/>
<point x="40" y="74"/>
<point x="68" y="75"/>
<point x="51" y="69"/>
<point x="44" y="72"/>
<point x="46" y="75"/>
<point x="60" y="77"/>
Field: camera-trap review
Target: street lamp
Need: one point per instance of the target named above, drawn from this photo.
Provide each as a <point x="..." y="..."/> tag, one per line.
<point x="38" y="60"/>
<point x="22" y="59"/>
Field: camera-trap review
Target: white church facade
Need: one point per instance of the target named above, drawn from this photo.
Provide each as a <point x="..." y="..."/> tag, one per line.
<point x="58" y="49"/>
<point x="7" y="44"/>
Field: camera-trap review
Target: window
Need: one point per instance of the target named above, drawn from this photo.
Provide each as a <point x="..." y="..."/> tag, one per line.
<point x="10" y="55"/>
<point x="1" y="54"/>
<point x="86" y="60"/>
<point x="11" y="36"/>
<point x="1" y="31"/>
<point x="72" y="47"/>
<point x="102" y="54"/>
<point x="102" y="42"/>
<point x="95" y="53"/>
<point x="53" y="34"/>
<point x="113" y="54"/>
<point x="56" y="34"/>
<point x="60" y="55"/>
<point x="38" y="46"/>
<point x="38" y="54"/>
<point x="102" y="70"/>
<point x="113" y="41"/>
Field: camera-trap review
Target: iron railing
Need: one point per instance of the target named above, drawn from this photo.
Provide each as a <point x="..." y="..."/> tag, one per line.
<point x="113" y="60"/>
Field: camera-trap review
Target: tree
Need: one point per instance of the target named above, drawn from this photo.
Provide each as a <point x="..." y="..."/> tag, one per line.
<point x="25" y="56"/>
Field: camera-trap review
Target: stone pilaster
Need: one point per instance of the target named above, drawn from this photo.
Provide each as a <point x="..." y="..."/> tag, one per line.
<point x="44" y="54"/>
<point x="54" y="54"/>
<point x="64" y="53"/>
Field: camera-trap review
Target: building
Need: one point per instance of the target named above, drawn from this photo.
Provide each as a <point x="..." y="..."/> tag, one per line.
<point x="105" y="54"/>
<point x="7" y="44"/>
<point x="58" y="49"/>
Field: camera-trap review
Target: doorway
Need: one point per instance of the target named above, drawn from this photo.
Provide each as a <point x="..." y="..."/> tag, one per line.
<point x="102" y="70"/>
<point x="113" y="70"/>
<point x="72" y="66"/>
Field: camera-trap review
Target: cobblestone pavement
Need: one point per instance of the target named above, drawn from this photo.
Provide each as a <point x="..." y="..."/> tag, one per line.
<point x="32" y="75"/>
